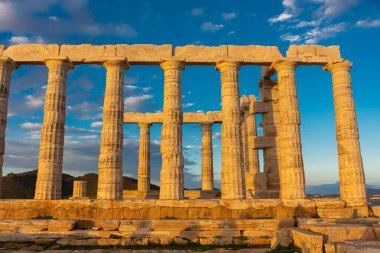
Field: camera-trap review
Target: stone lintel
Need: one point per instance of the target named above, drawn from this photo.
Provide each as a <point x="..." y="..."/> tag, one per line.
<point x="313" y="54"/>
<point x="260" y="107"/>
<point x="262" y="142"/>
<point x="188" y="117"/>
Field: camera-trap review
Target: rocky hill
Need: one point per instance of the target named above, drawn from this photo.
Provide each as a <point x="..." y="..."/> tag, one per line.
<point x="22" y="185"/>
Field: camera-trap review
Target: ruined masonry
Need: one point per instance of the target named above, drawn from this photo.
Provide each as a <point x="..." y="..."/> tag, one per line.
<point x="246" y="193"/>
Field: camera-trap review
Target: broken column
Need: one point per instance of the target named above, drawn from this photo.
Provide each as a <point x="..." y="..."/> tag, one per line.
<point x="80" y="189"/>
<point x="171" y="186"/>
<point x="233" y="175"/>
<point x="110" y="180"/>
<point x="351" y="173"/>
<point x="207" y="159"/>
<point x="143" y="183"/>
<point x="6" y="68"/>
<point x="292" y="179"/>
<point x="49" y="177"/>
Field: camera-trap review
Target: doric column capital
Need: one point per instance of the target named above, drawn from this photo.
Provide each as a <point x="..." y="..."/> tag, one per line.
<point x="338" y="65"/>
<point x="283" y="64"/>
<point x="145" y="124"/>
<point x="223" y="64"/>
<point x="115" y="62"/>
<point x="172" y="64"/>
<point x="4" y="61"/>
<point x="206" y="124"/>
<point x="59" y="62"/>
<point x="244" y="104"/>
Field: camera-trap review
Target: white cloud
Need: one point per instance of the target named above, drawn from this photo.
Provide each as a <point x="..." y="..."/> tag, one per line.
<point x="290" y="38"/>
<point x="97" y="124"/>
<point x="231" y="33"/>
<point x="229" y="16"/>
<point x="145" y="89"/>
<point x="197" y="11"/>
<point x="280" y="18"/>
<point x="216" y="135"/>
<point x="368" y="23"/>
<point x="34" y="101"/>
<point x="93" y="136"/>
<point x="211" y="27"/>
<point x="131" y="79"/>
<point x="186" y="105"/>
<point x="134" y="103"/>
<point x="25" y="40"/>
<point x="315" y="35"/>
<point x="131" y="87"/>
<point x="303" y="24"/>
<point x="30" y="125"/>
<point x="330" y="9"/>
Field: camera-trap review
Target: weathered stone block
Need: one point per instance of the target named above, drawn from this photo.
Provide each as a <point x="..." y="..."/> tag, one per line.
<point x="31" y="53"/>
<point x="30" y="226"/>
<point x="335" y="212"/>
<point x="6" y="225"/>
<point x="201" y="54"/>
<point x="313" y="54"/>
<point x="307" y="241"/>
<point x="61" y="225"/>
<point x="110" y="225"/>
<point x="283" y="237"/>
<point x="254" y="54"/>
<point x="147" y="53"/>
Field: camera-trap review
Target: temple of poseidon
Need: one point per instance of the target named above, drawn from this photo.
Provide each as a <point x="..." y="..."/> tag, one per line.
<point x="252" y="207"/>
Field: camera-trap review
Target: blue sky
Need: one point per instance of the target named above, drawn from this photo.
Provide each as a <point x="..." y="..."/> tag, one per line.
<point x="352" y="24"/>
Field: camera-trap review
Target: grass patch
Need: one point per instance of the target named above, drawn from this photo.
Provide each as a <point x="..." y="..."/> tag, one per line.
<point x="242" y="238"/>
<point x="265" y="237"/>
<point x="263" y="218"/>
<point x="316" y="216"/>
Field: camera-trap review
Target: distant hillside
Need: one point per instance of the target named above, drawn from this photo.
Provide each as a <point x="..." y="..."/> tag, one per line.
<point x="22" y="185"/>
<point x="327" y="189"/>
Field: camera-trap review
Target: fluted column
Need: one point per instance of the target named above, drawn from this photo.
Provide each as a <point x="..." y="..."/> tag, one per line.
<point x="233" y="175"/>
<point x="351" y="172"/>
<point x="292" y="179"/>
<point x="6" y="67"/>
<point x="79" y="189"/>
<point x="143" y="183"/>
<point x="207" y="159"/>
<point x="49" y="177"/>
<point x="110" y="180"/>
<point x="171" y="186"/>
<point x="252" y="153"/>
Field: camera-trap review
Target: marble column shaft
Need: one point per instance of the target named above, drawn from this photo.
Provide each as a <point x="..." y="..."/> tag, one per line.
<point x="207" y="157"/>
<point x="6" y="68"/>
<point x="49" y="177"/>
<point x="233" y="174"/>
<point x="351" y="172"/>
<point x="252" y="153"/>
<point x="172" y="181"/>
<point x="292" y="178"/>
<point x="110" y="180"/>
<point x="143" y="183"/>
<point x="80" y="189"/>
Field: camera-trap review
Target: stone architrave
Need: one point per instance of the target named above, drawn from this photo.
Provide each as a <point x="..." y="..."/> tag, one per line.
<point x="6" y="68"/>
<point x="292" y="178"/>
<point x="143" y="183"/>
<point x="49" y="177"/>
<point x="233" y="174"/>
<point x="171" y="181"/>
<point x="110" y="181"/>
<point x="207" y="158"/>
<point x="80" y="189"/>
<point x="351" y="172"/>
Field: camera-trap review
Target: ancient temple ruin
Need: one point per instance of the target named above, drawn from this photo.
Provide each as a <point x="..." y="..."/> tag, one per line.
<point x="278" y="191"/>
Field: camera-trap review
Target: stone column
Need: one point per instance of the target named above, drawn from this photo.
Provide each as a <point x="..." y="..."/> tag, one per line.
<point x="252" y="153"/>
<point x="110" y="181"/>
<point x="233" y="175"/>
<point x="49" y="177"/>
<point x="80" y="189"/>
<point x="171" y="186"/>
<point x="292" y="179"/>
<point x="143" y="183"/>
<point x="6" y="67"/>
<point x="207" y="159"/>
<point x="351" y="173"/>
